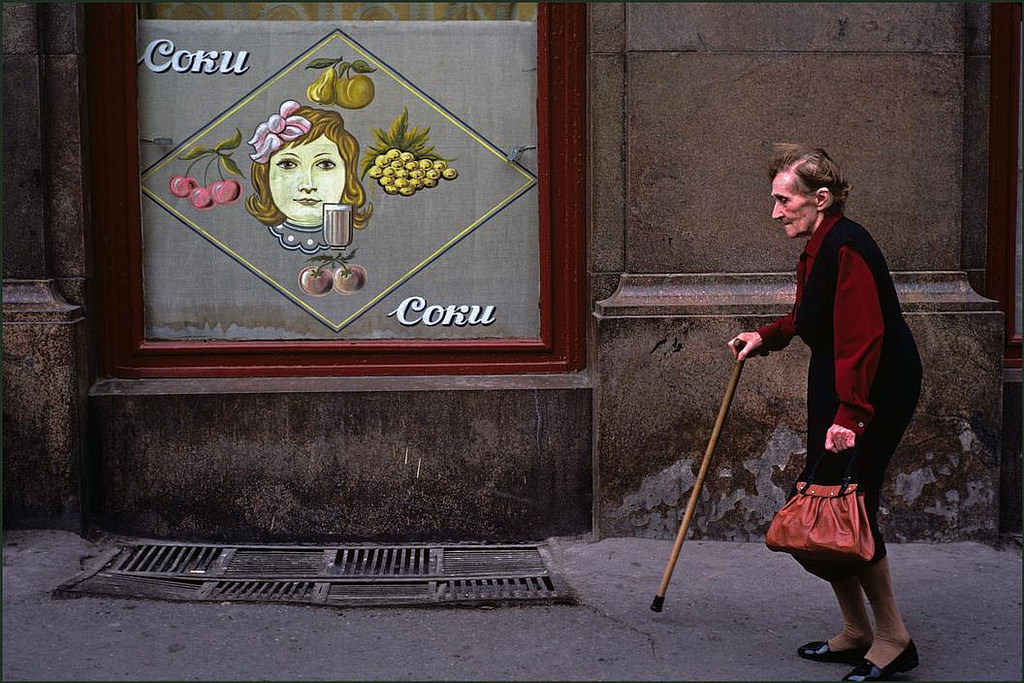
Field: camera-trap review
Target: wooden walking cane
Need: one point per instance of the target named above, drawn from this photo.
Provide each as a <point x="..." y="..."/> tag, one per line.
<point x="659" y="599"/>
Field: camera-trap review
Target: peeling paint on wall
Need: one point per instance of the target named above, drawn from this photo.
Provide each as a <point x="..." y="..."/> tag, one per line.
<point x="978" y="493"/>
<point x="909" y="486"/>
<point x="782" y="447"/>
<point x="656" y="509"/>
<point x="947" y="491"/>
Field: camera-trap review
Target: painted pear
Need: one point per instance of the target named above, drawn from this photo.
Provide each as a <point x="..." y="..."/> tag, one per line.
<point x="321" y="90"/>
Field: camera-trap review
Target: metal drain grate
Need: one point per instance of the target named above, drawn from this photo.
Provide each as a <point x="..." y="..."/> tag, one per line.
<point x="145" y="587"/>
<point x="365" y="593"/>
<point x="392" y="561"/>
<point x="327" y="575"/>
<point x="274" y="591"/>
<point x="275" y="562"/>
<point x="497" y="589"/>
<point x="169" y="559"/>
<point x="490" y="560"/>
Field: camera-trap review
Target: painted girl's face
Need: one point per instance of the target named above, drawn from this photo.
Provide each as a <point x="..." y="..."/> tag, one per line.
<point x="304" y="177"/>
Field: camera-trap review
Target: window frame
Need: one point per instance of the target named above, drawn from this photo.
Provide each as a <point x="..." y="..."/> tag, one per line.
<point x="1004" y="112"/>
<point x="116" y="219"/>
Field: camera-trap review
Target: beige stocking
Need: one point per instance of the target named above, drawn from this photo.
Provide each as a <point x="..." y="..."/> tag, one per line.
<point x="891" y="635"/>
<point x="856" y="631"/>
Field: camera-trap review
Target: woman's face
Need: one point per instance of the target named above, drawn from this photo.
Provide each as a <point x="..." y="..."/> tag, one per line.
<point x="797" y="210"/>
<point x="304" y="177"/>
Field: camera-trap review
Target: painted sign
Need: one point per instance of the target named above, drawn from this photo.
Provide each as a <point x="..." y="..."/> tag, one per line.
<point x="337" y="189"/>
<point x="198" y="61"/>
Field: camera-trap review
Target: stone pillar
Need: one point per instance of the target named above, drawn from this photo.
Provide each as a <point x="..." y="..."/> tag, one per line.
<point x="691" y="98"/>
<point x="45" y="340"/>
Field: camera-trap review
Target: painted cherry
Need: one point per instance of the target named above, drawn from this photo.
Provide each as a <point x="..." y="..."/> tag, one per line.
<point x="316" y="281"/>
<point x="226" y="191"/>
<point x="182" y="186"/>
<point x="351" y="282"/>
<point x="201" y="198"/>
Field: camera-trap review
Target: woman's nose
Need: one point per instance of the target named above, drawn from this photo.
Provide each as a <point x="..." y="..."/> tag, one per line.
<point x="306" y="181"/>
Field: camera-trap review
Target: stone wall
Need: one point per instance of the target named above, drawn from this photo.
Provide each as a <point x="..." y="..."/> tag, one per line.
<point x="382" y="459"/>
<point x="687" y="100"/>
<point x="684" y="101"/>
<point x="47" y="361"/>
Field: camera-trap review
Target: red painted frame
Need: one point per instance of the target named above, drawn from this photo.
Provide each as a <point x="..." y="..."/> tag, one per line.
<point x="113" y="143"/>
<point x="1004" y="109"/>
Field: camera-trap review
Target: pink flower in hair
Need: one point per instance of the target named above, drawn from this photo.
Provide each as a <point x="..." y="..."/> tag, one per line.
<point x="279" y="129"/>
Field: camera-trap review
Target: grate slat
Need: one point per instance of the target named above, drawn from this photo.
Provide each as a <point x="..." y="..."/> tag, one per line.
<point x="140" y="558"/>
<point x="159" y="559"/>
<point x="184" y="556"/>
<point x="207" y="558"/>
<point x="183" y="559"/>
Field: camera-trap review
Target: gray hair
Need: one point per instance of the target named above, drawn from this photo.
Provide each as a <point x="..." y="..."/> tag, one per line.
<point x="814" y="168"/>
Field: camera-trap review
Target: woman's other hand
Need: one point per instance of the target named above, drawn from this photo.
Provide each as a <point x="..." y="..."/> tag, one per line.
<point x="839" y="439"/>
<point x="751" y="342"/>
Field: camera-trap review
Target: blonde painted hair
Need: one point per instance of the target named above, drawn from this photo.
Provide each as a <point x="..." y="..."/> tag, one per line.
<point x="324" y="123"/>
<point x="814" y="168"/>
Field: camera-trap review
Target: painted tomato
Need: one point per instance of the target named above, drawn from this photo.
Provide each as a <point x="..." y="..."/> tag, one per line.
<point x="226" y="191"/>
<point x="182" y="186"/>
<point x="350" y="282"/>
<point x="316" y="281"/>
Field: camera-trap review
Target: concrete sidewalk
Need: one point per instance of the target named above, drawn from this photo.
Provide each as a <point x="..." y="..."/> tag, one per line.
<point x="734" y="611"/>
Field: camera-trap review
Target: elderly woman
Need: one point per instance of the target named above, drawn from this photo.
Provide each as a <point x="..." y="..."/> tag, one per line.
<point x="863" y="385"/>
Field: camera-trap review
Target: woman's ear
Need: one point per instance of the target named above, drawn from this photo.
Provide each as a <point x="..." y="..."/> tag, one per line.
<point x="823" y="198"/>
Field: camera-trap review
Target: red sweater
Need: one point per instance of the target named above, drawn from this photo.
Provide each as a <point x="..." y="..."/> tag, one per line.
<point x="858" y="332"/>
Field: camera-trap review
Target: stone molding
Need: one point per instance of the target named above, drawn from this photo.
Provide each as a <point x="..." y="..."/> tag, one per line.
<point x="306" y="385"/>
<point x="37" y="301"/>
<point x="655" y="295"/>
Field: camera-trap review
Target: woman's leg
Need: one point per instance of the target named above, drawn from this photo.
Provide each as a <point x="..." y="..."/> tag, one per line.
<point x="856" y="631"/>
<point x="891" y="635"/>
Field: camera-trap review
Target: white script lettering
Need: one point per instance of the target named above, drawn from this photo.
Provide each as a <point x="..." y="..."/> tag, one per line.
<point x="198" y="61"/>
<point x="415" y="310"/>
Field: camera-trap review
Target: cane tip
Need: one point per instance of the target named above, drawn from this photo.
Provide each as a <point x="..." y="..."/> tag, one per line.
<point x="659" y="602"/>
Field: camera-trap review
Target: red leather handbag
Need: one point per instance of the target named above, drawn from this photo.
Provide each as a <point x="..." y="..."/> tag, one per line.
<point x="824" y="523"/>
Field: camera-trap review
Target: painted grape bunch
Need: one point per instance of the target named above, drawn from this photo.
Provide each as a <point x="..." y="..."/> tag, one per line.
<point x="402" y="162"/>
<point x="399" y="172"/>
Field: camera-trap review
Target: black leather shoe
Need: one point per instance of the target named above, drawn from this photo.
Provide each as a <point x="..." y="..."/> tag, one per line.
<point x="819" y="651"/>
<point x="866" y="671"/>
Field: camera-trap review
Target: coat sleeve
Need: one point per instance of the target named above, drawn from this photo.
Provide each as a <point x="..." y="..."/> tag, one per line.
<point x="777" y="334"/>
<point x="858" y="330"/>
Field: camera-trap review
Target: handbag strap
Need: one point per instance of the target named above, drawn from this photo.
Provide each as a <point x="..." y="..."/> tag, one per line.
<point x="851" y="468"/>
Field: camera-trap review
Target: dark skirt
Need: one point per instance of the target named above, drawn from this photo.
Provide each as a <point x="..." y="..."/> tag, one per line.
<point x="894" y="397"/>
